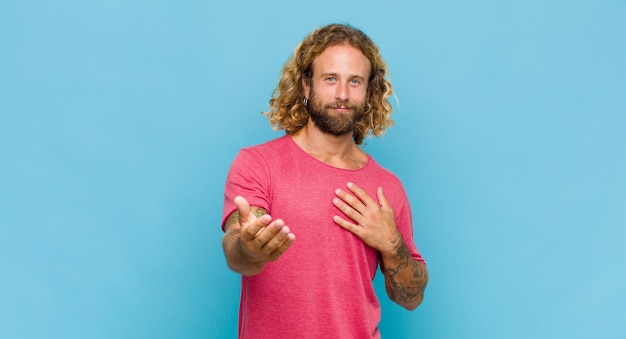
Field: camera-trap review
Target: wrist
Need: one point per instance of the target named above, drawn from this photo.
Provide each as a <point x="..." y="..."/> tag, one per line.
<point x="247" y="262"/>
<point x="393" y="245"/>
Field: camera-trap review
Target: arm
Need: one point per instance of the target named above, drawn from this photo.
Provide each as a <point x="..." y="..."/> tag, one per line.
<point x="251" y="239"/>
<point x="405" y="277"/>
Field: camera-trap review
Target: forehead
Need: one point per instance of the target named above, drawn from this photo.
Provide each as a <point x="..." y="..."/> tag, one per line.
<point x="342" y="59"/>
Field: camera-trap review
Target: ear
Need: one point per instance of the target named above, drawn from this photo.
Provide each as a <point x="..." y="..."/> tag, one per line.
<point x="305" y="86"/>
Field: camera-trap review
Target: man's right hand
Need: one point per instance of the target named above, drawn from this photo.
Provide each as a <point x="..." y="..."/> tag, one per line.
<point x="252" y="239"/>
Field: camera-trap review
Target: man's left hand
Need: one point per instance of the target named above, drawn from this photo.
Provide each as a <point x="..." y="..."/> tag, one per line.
<point x="372" y="221"/>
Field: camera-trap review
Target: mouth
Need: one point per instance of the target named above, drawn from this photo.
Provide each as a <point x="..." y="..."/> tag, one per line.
<point x="341" y="108"/>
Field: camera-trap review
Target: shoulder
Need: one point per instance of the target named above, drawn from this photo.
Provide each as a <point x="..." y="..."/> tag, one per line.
<point x="269" y="149"/>
<point x="263" y="157"/>
<point x="273" y="146"/>
<point x="382" y="172"/>
<point x="392" y="185"/>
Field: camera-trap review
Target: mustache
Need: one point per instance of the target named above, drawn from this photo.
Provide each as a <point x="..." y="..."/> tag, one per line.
<point x="341" y="104"/>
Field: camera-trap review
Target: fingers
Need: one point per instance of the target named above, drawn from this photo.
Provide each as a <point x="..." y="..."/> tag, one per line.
<point x="360" y="202"/>
<point x="371" y="221"/>
<point x="269" y="232"/>
<point x="268" y="241"/>
<point x="355" y="202"/>
<point x="252" y="229"/>
<point x="356" y="229"/>
<point x="361" y="194"/>
<point x="263" y="240"/>
<point x="250" y="224"/>
<point x="279" y="243"/>
<point x="349" y="205"/>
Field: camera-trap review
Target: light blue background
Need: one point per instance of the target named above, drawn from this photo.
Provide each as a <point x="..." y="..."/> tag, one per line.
<point x="119" y="120"/>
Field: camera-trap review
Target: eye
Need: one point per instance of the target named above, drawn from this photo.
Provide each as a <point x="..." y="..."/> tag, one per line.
<point x="330" y="79"/>
<point x="355" y="82"/>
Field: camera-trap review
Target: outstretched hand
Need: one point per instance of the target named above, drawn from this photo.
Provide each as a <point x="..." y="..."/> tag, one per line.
<point x="372" y="221"/>
<point x="262" y="240"/>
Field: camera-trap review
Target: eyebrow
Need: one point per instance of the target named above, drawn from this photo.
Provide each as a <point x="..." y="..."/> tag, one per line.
<point x="357" y="76"/>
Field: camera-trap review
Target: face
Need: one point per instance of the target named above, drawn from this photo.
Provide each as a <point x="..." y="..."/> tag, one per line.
<point x="337" y="92"/>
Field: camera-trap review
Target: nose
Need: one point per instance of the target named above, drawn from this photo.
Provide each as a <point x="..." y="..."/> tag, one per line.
<point x="342" y="91"/>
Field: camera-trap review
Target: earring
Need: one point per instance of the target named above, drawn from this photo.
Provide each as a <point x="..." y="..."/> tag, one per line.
<point x="368" y="106"/>
<point x="305" y="102"/>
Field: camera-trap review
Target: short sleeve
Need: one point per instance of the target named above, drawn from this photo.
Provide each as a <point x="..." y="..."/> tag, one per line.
<point x="405" y="227"/>
<point x="248" y="177"/>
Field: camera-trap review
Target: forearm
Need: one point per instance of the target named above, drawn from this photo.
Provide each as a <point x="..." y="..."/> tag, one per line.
<point x="235" y="257"/>
<point x="405" y="277"/>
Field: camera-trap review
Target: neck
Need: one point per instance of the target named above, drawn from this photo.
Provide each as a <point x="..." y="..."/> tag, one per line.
<point x="337" y="151"/>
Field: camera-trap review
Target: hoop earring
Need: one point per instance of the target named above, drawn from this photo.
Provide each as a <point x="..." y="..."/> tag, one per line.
<point x="305" y="102"/>
<point x="368" y="107"/>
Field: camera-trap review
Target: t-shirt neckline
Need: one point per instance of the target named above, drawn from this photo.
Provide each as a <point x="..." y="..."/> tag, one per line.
<point x="314" y="159"/>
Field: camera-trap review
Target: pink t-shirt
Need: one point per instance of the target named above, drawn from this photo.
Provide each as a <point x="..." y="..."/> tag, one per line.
<point x="322" y="286"/>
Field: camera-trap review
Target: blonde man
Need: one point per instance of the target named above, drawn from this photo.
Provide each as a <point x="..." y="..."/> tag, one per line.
<point x="316" y="184"/>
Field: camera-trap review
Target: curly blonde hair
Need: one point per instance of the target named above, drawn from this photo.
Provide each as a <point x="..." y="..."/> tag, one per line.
<point x="287" y="109"/>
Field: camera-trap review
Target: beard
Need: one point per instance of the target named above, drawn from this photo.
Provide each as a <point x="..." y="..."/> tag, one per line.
<point x="334" y="123"/>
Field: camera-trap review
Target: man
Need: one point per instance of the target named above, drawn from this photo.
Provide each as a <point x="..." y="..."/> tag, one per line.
<point x="316" y="184"/>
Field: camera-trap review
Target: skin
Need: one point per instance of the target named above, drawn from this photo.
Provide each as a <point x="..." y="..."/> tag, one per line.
<point x="373" y="222"/>
<point x="252" y="238"/>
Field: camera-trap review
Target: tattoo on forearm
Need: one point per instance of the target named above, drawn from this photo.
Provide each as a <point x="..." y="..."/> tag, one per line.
<point x="228" y="238"/>
<point x="234" y="217"/>
<point x="230" y="234"/>
<point x="405" y="292"/>
<point x="260" y="212"/>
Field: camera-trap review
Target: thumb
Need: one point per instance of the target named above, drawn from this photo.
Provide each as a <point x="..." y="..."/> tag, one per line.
<point x="382" y="199"/>
<point x="244" y="209"/>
